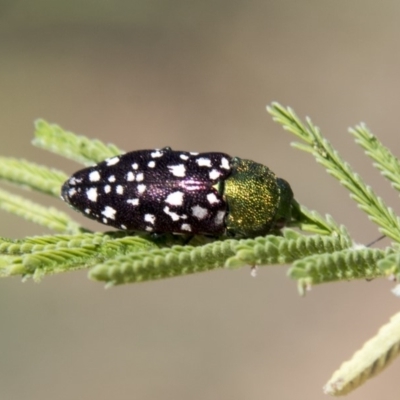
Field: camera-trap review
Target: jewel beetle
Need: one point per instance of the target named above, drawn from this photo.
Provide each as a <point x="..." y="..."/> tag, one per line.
<point x="167" y="191"/>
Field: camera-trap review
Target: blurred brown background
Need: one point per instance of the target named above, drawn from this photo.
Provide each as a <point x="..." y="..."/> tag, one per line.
<point x="197" y="76"/>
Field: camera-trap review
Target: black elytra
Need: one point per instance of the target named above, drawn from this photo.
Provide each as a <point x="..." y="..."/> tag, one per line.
<point x="153" y="190"/>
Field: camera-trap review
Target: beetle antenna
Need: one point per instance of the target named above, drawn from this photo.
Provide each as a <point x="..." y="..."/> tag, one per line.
<point x="376" y="240"/>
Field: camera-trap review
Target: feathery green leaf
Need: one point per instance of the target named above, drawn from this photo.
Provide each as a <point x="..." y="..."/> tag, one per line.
<point x="45" y="255"/>
<point x="311" y="221"/>
<point x="45" y="216"/>
<point x="77" y="148"/>
<point x="383" y="158"/>
<point x="32" y="176"/>
<point x="283" y="250"/>
<point x="390" y="265"/>
<point x="41" y="263"/>
<point x="372" y="359"/>
<point x="164" y="263"/>
<point x="50" y="242"/>
<point x="355" y="263"/>
<point x="368" y="201"/>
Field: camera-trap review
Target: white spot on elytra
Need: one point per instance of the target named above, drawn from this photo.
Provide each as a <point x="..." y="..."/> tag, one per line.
<point x="105" y="221"/>
<point x="220" y="217"/>
<point x="94" y="176"/>
<point x="134" y="202"/>
<point x="92" y="194"/>
<point x="130" y="176"/>
<point x="111" y="178"/>
<point x="177" y="170"/>
<point x="175" y="199"/>
<point x="212" y="198"/>
<point x="71" y="192"/>
<point x="109" y="212"/>
<point x="156" y="154"/>
<point x="204" y="162"/>
<point x="214" y="174"/>
<point x="120" y="189"/>
<point x="107" y="189"/>
<point x="186" y="227"/>
<point x="72" y="181"/>
<point x="172" y="214"/>
<point x="112" y="161"/>
<point x="224" y="163"/>
<point x="151" y="164"/>
<point x="184" y="157"/>
<point x="139" y="177"/>
<point x="123" y="226"/>
<point x="87" y="211"/>
<point x="135" y="166"/>
<point x="150" y="218"/>
<point x="149" y="228"/>
<point x="141" y="188"/>
<point x="199" y="212"/>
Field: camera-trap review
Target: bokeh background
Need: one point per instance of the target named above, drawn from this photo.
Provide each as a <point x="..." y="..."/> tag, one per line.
<point x="197" y="76"/>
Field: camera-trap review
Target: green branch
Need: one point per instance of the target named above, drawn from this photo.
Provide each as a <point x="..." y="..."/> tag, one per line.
<point x="327" y="255"/>
<point x="321" y="149"/>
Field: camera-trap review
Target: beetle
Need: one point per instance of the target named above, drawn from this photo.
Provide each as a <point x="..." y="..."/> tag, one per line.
<point x="167" y="191"/>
